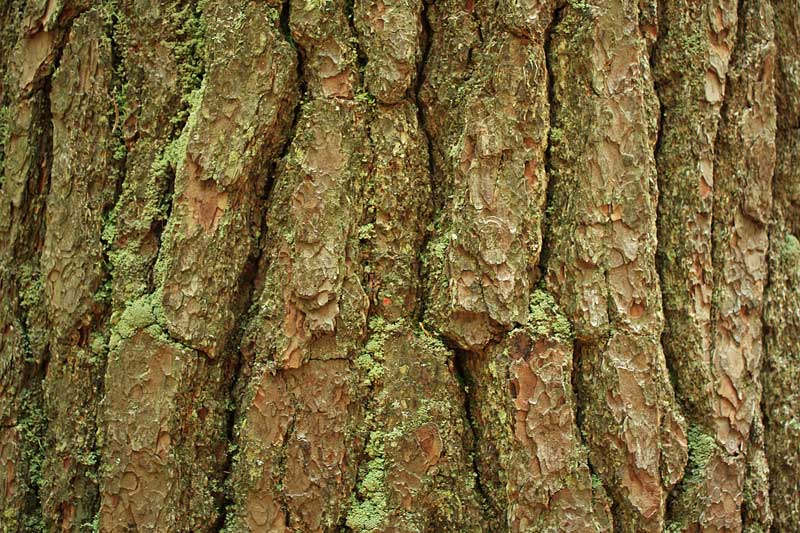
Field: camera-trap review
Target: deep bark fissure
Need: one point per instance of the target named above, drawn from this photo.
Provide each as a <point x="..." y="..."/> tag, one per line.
<point x="170" y="173"/>
<point x="35" y="371"/>
<point x="577" y="361"/>
<point x="283" y="24"/>
<point x="248" y="286"/>
<point x="118" y="82"/>
<point x="249" y="283"/>
<point x="557" y="16"/>
<point x="159" y="225"/>
<point x="465" y="381"/>
<point x="101" y="322"/>
<point x="361" y="56"/>
<point x="282" y="469"/>
<point x="654" y="50"/>
<point x="427" y="36"/>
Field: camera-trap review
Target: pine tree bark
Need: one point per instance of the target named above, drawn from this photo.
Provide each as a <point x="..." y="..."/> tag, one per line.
<point x="400" y="265"/>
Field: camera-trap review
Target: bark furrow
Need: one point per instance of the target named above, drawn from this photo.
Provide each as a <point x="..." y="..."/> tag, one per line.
<point x="601" y="265"/>
<point x="782" y="306"/>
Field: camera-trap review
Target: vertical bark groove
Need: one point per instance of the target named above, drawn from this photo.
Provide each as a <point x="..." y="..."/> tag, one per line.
<point x="27" y="161"/>
<point x="782" y="308"/>
<point x="602" y="263"/>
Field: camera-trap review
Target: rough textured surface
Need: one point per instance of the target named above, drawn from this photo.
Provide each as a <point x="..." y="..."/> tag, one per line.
<point x="601" y="265"/>
<point x="399" y="265"/>
<point x="160" y="64"/>
<point x="28" y="66"/>
<point x="484" y="252"/>
<point x="524" y="417"/>
<point x="310" y="316"/>
<point x="170" y="339"/>
<point x="744" y="163"/>
<point x="782" y="308"/>
<point x="74" y="270"/>
<point x="229" y="142"/>
<point x="416" y="474"/>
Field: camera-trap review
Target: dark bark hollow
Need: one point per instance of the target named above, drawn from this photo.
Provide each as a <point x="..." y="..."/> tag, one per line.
<point x="400" y="265"/>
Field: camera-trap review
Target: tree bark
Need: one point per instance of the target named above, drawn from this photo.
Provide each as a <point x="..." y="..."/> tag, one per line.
<point x="400" y="265"/>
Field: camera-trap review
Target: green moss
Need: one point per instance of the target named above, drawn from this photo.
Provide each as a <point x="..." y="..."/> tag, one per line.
<point x="365" y="97"/>
<point x="694" y="44"/>
<point x="10" y="520"/>
<point x="316" y="5"/>
<point x="556" y="135"/>
<point x="366" y="232"/>
<point x="32" y="428"/>
<point x="5" y="116"/>
<point x="580" y="5"/>
<point x="94" y="525"/>
<point x="102" y="295"/>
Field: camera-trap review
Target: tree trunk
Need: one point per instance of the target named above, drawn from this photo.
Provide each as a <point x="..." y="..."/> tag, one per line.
<point x="400" y="265"/>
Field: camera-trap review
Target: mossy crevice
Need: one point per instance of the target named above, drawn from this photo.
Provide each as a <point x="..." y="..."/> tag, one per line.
<point x="687" y="503"/>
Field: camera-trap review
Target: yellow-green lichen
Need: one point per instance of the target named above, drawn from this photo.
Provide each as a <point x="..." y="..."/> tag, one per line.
<point x="189" y="50"/>
<point x="790" y="251"/>
<point x="145" y="312"/>
<point x="32" y="285"/>
<point x="546" y="319"/>
<point x="702" y="448"/>
<point x="4" y="131"/>
<point x="368" y="513"/>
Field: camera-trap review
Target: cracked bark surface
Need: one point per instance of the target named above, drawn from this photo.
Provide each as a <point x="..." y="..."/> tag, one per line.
<point x="399" y="265"/>
<point x="602" y="260"/>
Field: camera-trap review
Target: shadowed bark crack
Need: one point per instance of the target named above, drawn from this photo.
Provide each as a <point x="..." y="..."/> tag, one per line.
<point x="465" y="380"/>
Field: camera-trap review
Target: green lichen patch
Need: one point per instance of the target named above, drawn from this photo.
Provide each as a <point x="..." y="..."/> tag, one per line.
<point x="790" y="251"/>
<point x="368" y="510"/>
<point x="413" y="428"/>
<point x="687" y="508"/>
<point x="175" y="151"/>
<point x="32" y="428"/>
<point x="4" y="130"/>
<point x="32" y="285"/>
<point x="370" y="361"/>
<point x="701" y="449"/>
<point x="546" y="319"/>
<point x="143" y="313"/>
<point x="189" y="49"/>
